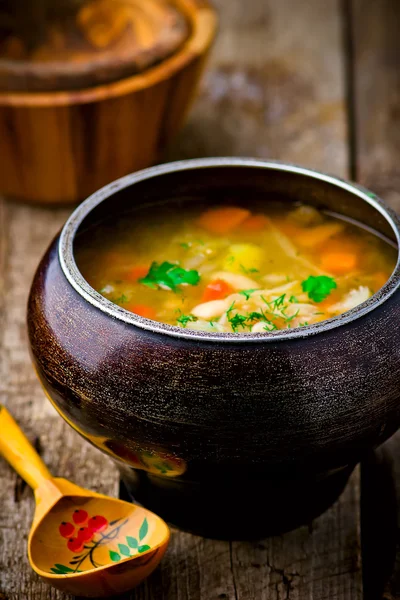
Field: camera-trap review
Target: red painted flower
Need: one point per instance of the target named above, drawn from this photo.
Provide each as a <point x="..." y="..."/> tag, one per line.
<point x="97" y="523"/>
<point x="85" y="534"/>
<point x="66" y="529"/>
<point x="75" y="545"/>
<point x="79" y="516"/>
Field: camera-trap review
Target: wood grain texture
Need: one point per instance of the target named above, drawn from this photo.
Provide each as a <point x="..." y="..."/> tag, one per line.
<point x="24" y="234"/>
<point x="376" y="42"/>
<point x="93" y="42"/>
<point x="377" y="96"/>
<point x="59" y="147"/>
<point x="274" y="89"/>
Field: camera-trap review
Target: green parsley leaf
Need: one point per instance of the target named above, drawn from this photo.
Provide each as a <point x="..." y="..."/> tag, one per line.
<point x="293" y="299"/>
<point x="303" y="324"/>
<point x="185" y="319"/>
<point x="318" y="288"/>
<point x="185" y="245"/>
<point x="169" y="275"/>
<point x="247" y="293"/>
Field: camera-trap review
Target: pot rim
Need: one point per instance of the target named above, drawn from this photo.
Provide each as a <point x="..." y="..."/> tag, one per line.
<point x="203" y="21"/>
<point x="76" y="279"/>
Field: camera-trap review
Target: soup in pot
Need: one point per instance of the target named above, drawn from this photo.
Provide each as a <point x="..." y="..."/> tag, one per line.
<point x="230" y="269"/>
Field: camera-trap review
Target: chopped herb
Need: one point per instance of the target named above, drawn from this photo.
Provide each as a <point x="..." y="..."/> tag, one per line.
<point x="255" y="316"/>
<point x="279" y="301"/>
<point x="185" y="319"/>
<point x="293" y="299"/>
<point x="288" y="319"/>
<point x="237" y="321"/>
<point x="185" y="245"/>
<point x="247" y="293"/>
<point x="270" y="326"/>
<point x="318" y="288"/>
<point x="303" y="324"/>
<point x="169" y="275"/>
<point x="230" y="308"/>
<point x="266" y="301"/>
<point x="121" y="300"/>
<point x="249" y="271"/>
<point x="230" y="260"/>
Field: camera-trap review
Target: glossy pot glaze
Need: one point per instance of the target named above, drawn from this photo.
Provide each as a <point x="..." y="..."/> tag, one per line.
<point x="229" y="435"/>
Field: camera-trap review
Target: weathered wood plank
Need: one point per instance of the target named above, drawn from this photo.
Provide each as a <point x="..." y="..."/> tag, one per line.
<point x="274" y="87"/>
<point x="377" y="96"/>
<point x="25" y="232"/>
<point x="376" y="38"/>
<point x="321" y="561"/>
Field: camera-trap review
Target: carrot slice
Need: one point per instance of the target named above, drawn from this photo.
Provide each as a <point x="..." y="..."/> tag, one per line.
<point x="217" y="290"/>
<point x="255" y="223"/>
<point x="142" y="310"/>
<point x="339" y="262"/>
<point x="137" y="273"/>
<point x="222" y="220"/>
<point x="332" y="299"/>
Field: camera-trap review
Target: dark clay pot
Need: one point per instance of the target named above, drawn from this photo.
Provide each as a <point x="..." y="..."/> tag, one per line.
<point x="227" y="435"/>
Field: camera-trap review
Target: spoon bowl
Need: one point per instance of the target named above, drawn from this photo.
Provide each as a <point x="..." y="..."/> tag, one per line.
<point x="82" y="542"/>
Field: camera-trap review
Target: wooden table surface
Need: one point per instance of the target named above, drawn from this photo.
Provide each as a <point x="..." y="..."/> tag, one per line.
<point x="315" y="82"/>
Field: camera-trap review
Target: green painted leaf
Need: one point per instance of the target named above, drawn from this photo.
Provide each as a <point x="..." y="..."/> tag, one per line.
<point x="143" y="548"/>
<point x="144" y="528"/>
<point x="63" y="568"/>
<point x="132" y="542"/>
<point x="56" y="571"/>
<point x="115" y="557"/>
<point x="124" y="549"/>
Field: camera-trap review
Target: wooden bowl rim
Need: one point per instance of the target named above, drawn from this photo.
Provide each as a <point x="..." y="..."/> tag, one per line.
<point x="203" y="21"/>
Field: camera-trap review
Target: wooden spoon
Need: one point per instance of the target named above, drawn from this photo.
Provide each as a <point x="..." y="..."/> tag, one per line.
<point x="82" y="542"/>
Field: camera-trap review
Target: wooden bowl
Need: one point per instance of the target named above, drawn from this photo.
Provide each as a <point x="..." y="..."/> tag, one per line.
<point x="59" y="147"/>
<point x="264" y="427"/>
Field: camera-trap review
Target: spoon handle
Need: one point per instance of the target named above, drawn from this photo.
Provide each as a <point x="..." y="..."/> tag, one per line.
<point x="19" y="452"/>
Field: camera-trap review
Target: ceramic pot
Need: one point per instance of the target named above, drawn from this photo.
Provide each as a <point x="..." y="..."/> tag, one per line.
<point x="229" y="435"/>
<point x="57" y="147"/>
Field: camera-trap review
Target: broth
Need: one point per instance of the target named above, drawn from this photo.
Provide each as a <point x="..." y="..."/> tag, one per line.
<point x="227" y="269"/>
